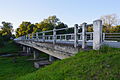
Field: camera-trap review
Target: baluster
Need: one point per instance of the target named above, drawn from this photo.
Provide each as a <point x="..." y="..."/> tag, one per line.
<point x="76" y="35"/>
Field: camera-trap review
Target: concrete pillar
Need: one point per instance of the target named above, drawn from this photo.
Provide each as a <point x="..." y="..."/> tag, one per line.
<point x="51" y="58"/>
<point x="84" y="29"/>
<point x="24" y="48"/>
<point x="76" y="35"/>
<point x="35" y="54"/>
<point x="54" y="36"/>
<point x="43" y="37"/>
<point x="97" y="39"/>
<point x="27" y="50"/>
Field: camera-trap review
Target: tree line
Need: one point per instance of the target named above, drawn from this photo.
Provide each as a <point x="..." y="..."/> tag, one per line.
<point x="47" y="24"/>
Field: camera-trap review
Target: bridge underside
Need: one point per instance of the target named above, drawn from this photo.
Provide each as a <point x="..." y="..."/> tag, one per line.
<point x="60" y="51"/>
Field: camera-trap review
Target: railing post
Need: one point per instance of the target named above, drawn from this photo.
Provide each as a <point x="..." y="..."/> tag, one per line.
<point x="76" y="35"/>
<point x="91" y="35"/>
<point x="25" y="37"/>
<point x="43" y="36"/>
<point x="54" y="36"/>
<point x="103" y="37"/>
<point x="32" y="34"/>
<point x="97" y="39"/>
<point x="28" y="36"/>
<point x="84" y="35"/>
<point x="37" y="36"/>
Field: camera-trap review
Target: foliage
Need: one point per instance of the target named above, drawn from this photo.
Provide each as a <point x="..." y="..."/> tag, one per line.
<point x="87" y="65"/>
<point x="47" y="24"/>
<point x="22" y="30"/>
<point x="1" y="40"/>
<point x="113" y="29"/>
<point x="110" y="20"/>
<point x="9" y="47"/>
<point x="6" y="31"/>
<point x="110" y="24"/>
<point x="90" y="29"/>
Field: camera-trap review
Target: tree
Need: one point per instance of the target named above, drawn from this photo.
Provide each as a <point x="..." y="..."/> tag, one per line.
<point x="52" y="20"/>
<point x="24" y="28"/>
<point x="110" y="20"/>
<point x="30" y="28"/>
<point x="61" y="25"/>
<point x="6" y="30"/>
<point x="47" y="24"/>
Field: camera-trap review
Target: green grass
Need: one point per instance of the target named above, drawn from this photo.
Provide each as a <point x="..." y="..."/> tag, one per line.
<point x="10" y="70"/>
<point x="86" y="65"/>
<point x="9" y="47"/>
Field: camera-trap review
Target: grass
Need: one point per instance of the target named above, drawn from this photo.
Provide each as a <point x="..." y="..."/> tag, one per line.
<point x="86" y="65"/>
<point x="9" y="47"/>
<point x="10" y="70"/>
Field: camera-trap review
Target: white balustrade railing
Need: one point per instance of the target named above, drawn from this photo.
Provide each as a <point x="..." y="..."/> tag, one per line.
<point x="65" y="36"/>
<point x="111" y="37"/>
<point x="74" y="35"/>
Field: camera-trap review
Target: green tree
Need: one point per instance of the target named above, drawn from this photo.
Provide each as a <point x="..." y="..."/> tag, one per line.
<point x="24" y="28"/>
<point x="6" y="30"/>
<point x="46" y="24"/>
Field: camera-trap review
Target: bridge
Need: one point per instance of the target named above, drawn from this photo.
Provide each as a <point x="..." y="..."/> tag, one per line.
<point x="65" y="42"/>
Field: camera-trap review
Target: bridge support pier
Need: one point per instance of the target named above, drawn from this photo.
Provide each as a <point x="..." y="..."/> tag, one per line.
<point x="51" y="58"/>
<point x="24" y="48"/>
<point x="28" y="50"/>
<point x="35" y="54"/>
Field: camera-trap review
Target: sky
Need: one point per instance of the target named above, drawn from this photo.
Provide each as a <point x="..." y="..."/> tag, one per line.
<point x="68" y="11"/>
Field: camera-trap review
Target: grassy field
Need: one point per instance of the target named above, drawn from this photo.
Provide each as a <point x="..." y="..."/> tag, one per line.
<point x="86" y="65"/>
<point x="9" y="70"/>
<point x="14" y="67"/>
<point x="9" y="47"/>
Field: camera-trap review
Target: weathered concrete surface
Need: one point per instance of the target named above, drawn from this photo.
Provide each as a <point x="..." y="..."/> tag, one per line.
<point x="60" y="51"/>
<point x="112" y="44"/>
<point x="41" y="63"/>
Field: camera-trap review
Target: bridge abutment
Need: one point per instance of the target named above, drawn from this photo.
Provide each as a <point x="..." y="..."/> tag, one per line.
<point x="35" y="54"/>
<point x="23" y="48"/>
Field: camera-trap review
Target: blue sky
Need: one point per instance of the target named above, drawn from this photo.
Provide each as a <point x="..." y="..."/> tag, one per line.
<point x="68" y="11"/>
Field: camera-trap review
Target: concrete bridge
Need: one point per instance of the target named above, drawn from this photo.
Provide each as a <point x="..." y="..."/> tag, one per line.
<point x="64" y="45"/>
